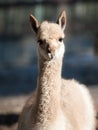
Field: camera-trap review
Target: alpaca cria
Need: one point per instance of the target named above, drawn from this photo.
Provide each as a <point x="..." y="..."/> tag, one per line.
<point x="57" y="104"/>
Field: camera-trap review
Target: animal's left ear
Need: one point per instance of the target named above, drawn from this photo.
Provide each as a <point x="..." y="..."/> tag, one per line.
<point x="62" y="20"/>
<point x="34" y="23"/>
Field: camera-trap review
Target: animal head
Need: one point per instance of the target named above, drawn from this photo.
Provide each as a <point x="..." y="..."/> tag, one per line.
<point x="50" y="37"/>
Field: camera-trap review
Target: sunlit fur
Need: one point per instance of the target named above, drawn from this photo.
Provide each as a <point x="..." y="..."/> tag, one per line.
<point x="56" y="104"/>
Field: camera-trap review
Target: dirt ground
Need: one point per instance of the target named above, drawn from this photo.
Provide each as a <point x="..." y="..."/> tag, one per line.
<point x="12" y="106"/>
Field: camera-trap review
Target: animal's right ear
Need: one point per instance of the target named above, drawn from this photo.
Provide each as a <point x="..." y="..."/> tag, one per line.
<point x="34" y="23"/>
<point x="62" y="20"/>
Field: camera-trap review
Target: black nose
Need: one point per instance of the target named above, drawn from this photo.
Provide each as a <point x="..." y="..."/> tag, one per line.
<point x="48" y="49"/>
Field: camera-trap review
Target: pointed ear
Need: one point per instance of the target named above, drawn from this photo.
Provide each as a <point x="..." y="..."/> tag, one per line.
<point x="34" y="23"/>
<point x="62" y="20"/>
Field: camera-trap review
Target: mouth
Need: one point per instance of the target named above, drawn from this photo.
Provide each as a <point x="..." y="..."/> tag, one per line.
<point x="50" y="56"/>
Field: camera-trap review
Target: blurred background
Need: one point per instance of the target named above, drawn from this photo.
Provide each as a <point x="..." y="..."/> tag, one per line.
<point x="18" y="57"/>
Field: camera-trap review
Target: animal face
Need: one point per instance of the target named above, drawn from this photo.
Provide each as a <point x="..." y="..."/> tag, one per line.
<point x="50" y="37"/>
<point x="50" y="41"/>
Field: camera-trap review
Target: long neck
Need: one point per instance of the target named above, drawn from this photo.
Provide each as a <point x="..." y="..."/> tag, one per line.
<point x="49" y="84"/>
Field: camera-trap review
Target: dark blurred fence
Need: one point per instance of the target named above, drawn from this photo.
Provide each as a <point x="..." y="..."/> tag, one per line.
<point x="18" y="69"/>
<point x="14" y="15"/>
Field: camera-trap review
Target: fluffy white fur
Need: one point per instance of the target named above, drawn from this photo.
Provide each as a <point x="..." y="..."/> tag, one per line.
<point x="57" y="104"/>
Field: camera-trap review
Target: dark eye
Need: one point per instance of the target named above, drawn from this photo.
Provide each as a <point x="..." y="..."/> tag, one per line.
<point x="60" y="39"/>
<point x="40" y="42"/>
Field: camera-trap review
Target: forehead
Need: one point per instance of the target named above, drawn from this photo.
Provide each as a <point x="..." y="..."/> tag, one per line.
<point x="50" y="31"/>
